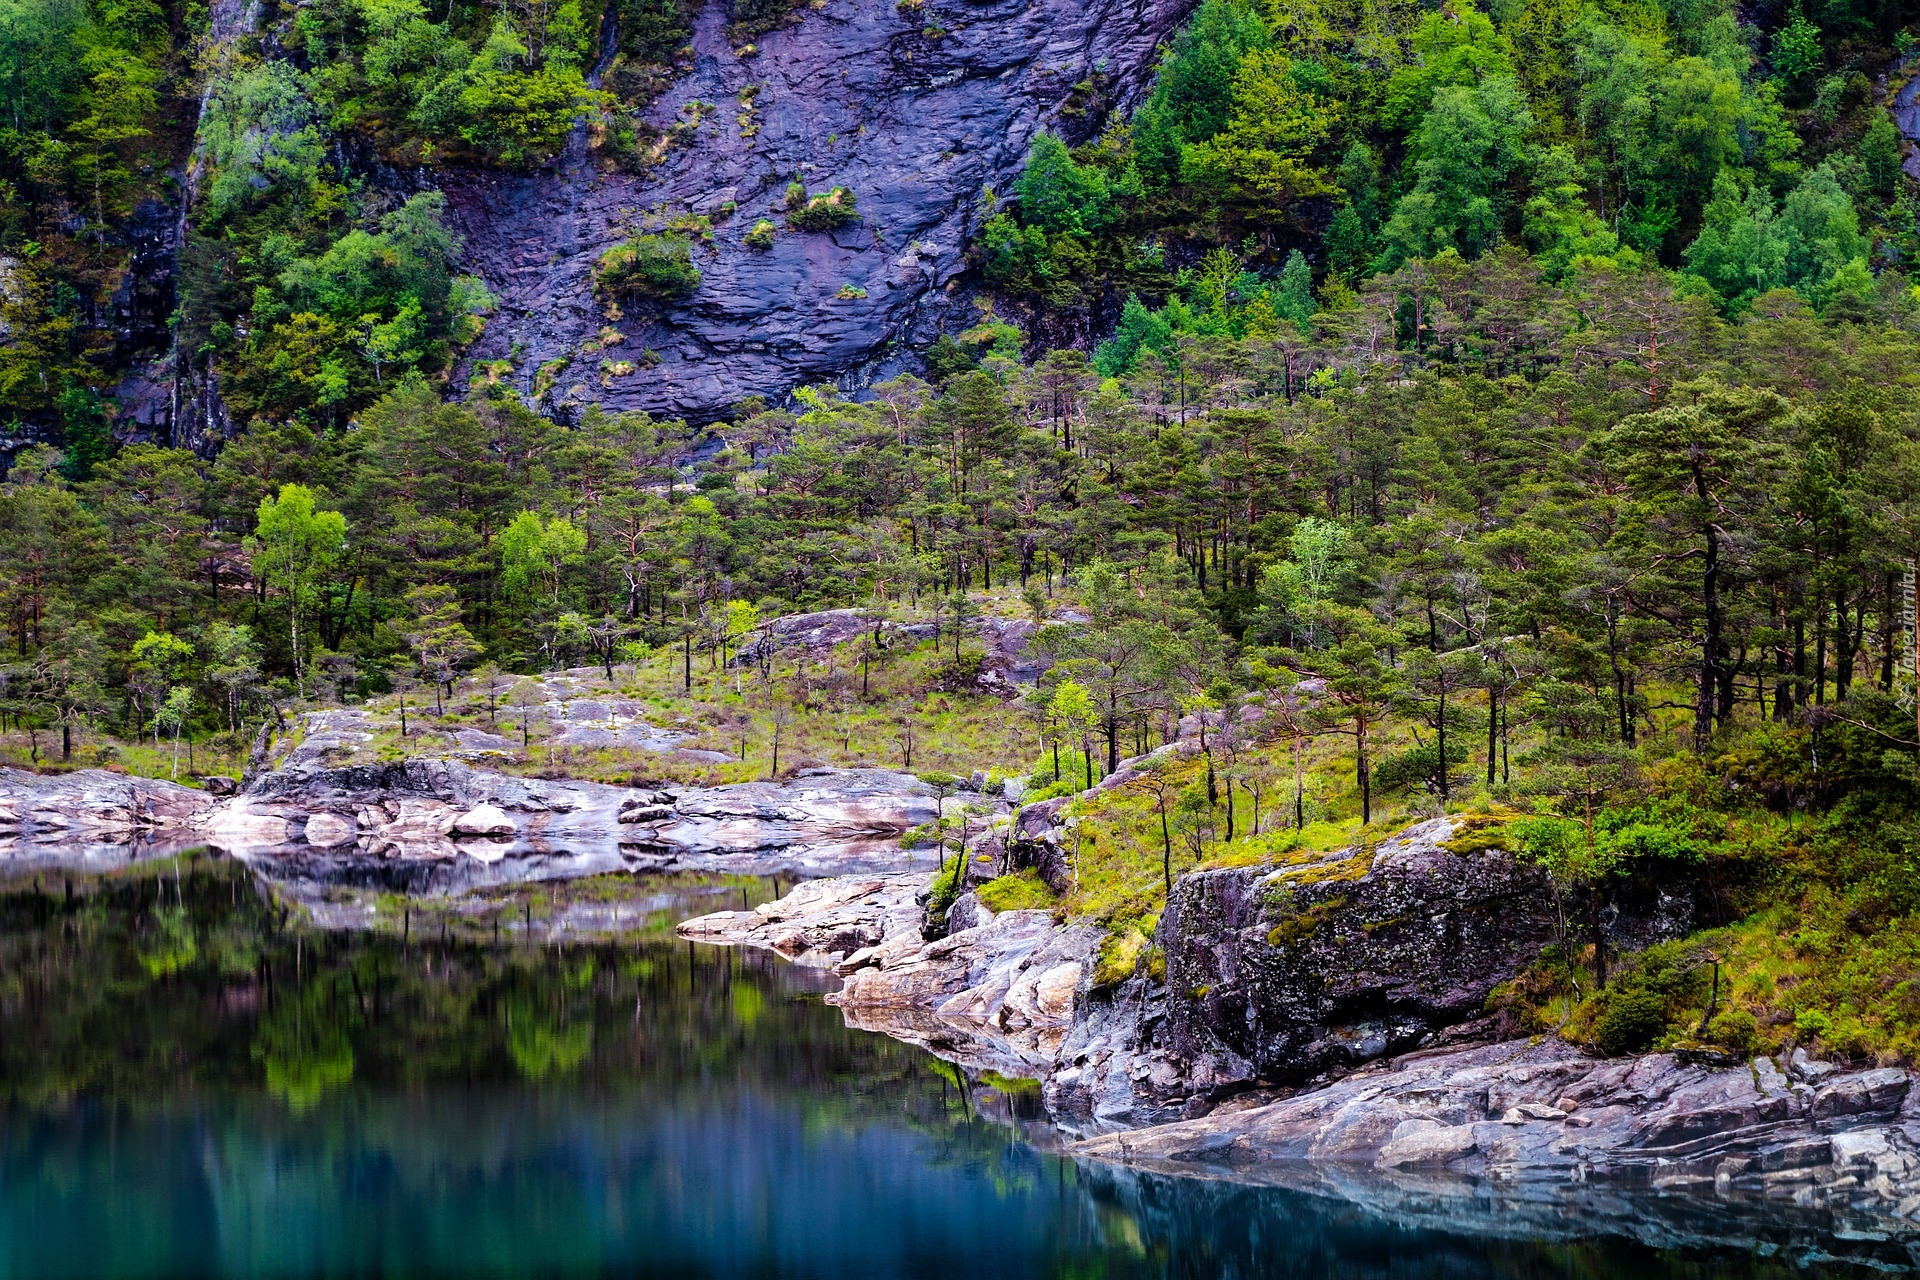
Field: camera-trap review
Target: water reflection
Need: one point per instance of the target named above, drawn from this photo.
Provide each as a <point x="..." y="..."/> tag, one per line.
<point x="193" y="1083"/>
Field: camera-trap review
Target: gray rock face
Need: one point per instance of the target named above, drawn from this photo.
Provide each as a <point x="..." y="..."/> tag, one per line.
<point x="1006" y="661"/>
<point x="853" y="95"/>
<point x="1302" y="969"/>
<point x="1541" y="1111"/>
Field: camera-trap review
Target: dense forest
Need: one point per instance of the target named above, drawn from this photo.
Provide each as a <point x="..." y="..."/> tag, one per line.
<point x="1533" y="390"/>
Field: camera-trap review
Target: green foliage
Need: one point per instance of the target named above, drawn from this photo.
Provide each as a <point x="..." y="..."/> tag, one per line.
<point x="1056" y="194"/>
<point x="1418" y="764"/>
<point x="261" y="131"/>
<point x="1139" y="330"/>
<point x="1454" y="48"/>
<point x="826" y="212"/>
<point x="1193" y="90"/>
<point x="1468" y="148"/>
<point x="649" y="265"/>
<point x="1745" y="248"/>
<point x="1274" y="126"/>
<point x="1796" y="48"/>
<point x="1631" y="1020"/>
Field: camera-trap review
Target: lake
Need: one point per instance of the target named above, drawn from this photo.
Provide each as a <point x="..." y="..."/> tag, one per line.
<point x="192" y="1082"/>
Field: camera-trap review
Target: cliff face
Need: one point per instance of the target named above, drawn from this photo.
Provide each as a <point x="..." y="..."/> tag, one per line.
<point x="854" y="95"/>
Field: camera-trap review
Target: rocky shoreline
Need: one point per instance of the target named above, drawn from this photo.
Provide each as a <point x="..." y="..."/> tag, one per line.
<point x="1315" y="1024"/>
<point x="1436" y="1104"/>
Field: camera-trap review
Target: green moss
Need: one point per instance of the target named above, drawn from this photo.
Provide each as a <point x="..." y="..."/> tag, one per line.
<point x="1476" y="832"/>
<point x="1301" y="925"/>
<point x="837" y="208"/>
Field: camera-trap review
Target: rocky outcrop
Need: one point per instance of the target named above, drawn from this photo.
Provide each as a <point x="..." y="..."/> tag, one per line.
<point x="441" y="827"/>
<point x="1541" y="1110"/>
<point x="1275" y="975"/>
<point x="823" y="820"/>
<point x="1432" y="1133"/>
<point x="1286" y="973"/>
<point x="90" y="811"/>
<point x="916" y="112"/>
<point x="999" y="991"/>
<point x="1007" y="660"/>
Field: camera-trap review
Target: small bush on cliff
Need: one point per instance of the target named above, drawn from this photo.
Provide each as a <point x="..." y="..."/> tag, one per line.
<point x="760" y="239"/>
<point x="827" y="212"/>
<point x="650" y="266"/>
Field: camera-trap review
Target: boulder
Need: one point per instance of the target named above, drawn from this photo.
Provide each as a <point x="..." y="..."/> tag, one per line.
<point x="239" y="826"/>
<point x="1318" y="966"/>
<point x="330" y="831"/>
<point x="483" y="820"/>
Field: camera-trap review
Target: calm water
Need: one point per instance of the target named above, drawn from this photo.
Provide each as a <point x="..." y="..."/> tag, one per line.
<point x="188" y="1086"/>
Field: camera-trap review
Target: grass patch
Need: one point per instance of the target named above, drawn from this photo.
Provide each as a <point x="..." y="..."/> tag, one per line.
<point x="1021" y="891"/>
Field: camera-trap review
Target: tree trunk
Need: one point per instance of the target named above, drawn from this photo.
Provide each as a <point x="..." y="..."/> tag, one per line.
<point x="1364" y="774"/>
<point x="1710" y="641"/>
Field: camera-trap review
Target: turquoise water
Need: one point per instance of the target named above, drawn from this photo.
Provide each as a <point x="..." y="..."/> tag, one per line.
<point x="188" y="1086"/>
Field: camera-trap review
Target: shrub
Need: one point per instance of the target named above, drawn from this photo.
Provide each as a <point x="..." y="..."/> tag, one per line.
<point x="651" y="266"/>
<point x="849" y="292"/>
<point x="1635" y="1017"/>
<point x="760" y="239"/>
<point x="1417" y="764"/>
<point x="820" y="213"/>
<point x="1736" y="1030"/>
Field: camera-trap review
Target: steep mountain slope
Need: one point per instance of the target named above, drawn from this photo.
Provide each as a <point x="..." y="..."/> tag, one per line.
<point x="854" y="96"/>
